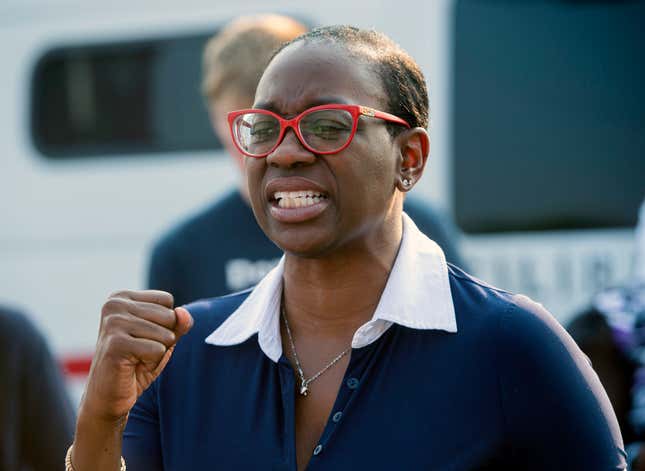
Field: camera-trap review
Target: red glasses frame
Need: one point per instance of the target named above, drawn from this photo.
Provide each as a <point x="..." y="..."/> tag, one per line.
<point x="294" y="123"/>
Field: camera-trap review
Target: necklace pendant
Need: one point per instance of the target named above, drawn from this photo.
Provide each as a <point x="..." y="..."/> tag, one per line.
<point x="304" y="390"/>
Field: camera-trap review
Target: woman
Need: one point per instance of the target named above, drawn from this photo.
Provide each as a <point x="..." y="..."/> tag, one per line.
<point x="362" y="349"/>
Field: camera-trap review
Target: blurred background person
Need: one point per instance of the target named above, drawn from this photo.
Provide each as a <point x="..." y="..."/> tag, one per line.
<point x="35" y="412"/>
<point x="611" y="332"/>
<point x="221" y="248"/>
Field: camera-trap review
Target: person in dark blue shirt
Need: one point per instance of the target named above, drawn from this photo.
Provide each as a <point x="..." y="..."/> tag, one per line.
<point x="468" y="378"/>
<point x="363" y="348"/>
<point x="221" y="249"/>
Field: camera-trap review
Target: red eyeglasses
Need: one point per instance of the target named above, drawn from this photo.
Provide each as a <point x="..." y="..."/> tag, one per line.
<point x="324" y="129"/>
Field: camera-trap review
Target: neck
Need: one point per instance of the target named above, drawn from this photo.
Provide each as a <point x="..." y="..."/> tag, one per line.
<point x="333" y="295"/>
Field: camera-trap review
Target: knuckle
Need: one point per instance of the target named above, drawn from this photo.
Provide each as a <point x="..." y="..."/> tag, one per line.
<point x="115" y="343"/>
<point x="122" y="293"/>
<point x="170" y="298"/>
<point x="113" y="304"/>
<point x="162" y="297"/>
<point x="113" y="321"/>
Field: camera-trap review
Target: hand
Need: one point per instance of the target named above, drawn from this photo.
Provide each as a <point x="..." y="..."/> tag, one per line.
<point x="137" y="335"/>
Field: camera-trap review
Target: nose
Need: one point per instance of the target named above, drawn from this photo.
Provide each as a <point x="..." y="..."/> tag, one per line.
<point x="290" y="152"/>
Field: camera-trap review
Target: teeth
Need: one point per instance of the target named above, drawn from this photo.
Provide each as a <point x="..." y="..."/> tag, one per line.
<point x="297" y="199"/>
<point x="296" y="194"/>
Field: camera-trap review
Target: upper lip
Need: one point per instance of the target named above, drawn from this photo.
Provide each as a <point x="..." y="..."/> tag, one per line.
<point x="292" y="184"/>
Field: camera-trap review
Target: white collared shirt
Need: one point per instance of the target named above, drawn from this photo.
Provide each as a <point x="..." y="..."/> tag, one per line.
<point x="416" y="295"/>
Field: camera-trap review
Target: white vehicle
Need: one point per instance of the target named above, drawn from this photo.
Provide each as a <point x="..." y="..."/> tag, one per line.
<point x="538" y="146"/>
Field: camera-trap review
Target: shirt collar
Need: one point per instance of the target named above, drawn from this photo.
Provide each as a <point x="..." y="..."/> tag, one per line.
<point x="417" y="295"/>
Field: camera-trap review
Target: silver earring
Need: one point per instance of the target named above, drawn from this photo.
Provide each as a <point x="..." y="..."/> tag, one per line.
<point x="406" y="182"/>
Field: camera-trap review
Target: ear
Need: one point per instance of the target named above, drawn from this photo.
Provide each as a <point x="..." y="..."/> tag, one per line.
<point x="414" y="145"/>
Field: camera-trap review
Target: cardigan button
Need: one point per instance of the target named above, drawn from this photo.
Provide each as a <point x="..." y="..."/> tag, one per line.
<point x="317" y="450"/>
<point x="352" y="383"/>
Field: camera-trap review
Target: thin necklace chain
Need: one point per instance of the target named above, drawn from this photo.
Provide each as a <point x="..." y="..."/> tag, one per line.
<point x="304" y="383"/>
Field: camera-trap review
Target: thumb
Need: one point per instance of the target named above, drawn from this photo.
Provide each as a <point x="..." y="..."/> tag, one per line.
<point x="184" y="321"/>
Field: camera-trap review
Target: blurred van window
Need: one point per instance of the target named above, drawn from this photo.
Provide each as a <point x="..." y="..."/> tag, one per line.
<point x="121" y="99"/>
<point x="549" y="116"/>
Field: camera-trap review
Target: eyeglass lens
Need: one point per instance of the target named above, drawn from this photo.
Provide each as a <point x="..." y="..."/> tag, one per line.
<point x="322" y="130"/>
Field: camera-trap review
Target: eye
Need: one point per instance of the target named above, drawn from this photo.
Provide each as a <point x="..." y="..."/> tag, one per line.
<point x="327" y="125"/>
<point x="263" y="130"/>
<point x="327" y="128"/>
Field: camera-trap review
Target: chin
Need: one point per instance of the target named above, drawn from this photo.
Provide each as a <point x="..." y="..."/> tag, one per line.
<point x="313" y="238"/>
<point x="319" y="238"/>
<point x="301" y="244"/>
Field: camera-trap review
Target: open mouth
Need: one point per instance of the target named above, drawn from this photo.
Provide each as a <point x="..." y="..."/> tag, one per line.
<point x="298" y="199"/>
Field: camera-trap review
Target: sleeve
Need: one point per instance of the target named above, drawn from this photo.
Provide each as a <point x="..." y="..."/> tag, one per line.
<point x="141" y="439"/>
<point x="557" y="414"/>
<point x="436" y="226"/>
<point x="47" y="414"/>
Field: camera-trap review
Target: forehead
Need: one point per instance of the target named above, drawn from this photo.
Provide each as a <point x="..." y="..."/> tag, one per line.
<point x="308" y="74"/>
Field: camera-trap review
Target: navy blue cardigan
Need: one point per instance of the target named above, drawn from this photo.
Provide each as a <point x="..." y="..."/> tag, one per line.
<point x="509" y="390"/>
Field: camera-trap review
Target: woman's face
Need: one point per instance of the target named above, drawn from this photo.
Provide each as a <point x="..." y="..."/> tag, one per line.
<point x="358" y="184"/>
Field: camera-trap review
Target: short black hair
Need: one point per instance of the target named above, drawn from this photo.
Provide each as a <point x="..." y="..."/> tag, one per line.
<point x="403" y="82"/>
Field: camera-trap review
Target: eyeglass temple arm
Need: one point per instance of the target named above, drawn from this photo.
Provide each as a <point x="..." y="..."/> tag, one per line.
<point x="372" y="113"/>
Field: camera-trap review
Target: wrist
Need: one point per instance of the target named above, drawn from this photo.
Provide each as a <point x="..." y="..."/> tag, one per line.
<point x="97" y="443"/>
<point x="90" y="424"/>
<point x="69" y="464"/>
<point x="92" y="413"/>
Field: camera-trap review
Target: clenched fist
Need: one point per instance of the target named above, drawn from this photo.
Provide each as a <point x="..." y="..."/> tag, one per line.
<point x="137" y="335"/>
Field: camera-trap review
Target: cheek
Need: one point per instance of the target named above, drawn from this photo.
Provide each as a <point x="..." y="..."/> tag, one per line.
<point x="254" y="170"/>
<point x="370" y="174"/>
<point x="363" y="195"/>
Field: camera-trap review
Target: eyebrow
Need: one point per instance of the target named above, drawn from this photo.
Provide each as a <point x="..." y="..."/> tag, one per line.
<point x="324" y="100"/>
